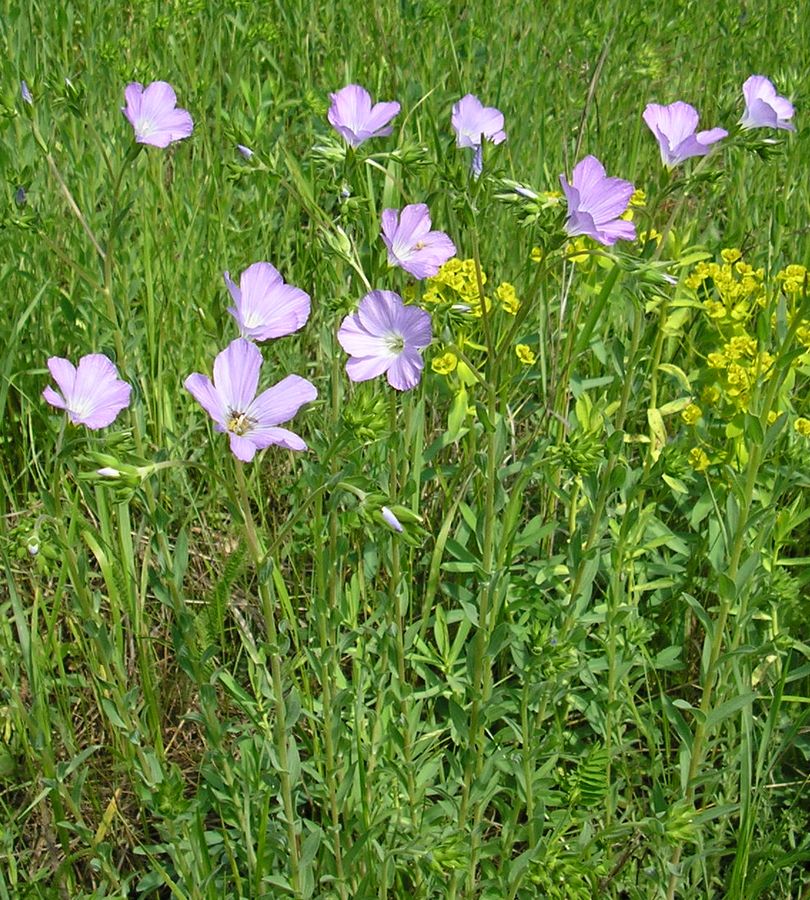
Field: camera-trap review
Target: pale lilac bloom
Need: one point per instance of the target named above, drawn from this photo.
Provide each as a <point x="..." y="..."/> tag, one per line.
<point x="384" y="335"/>
<point x="391" y="519"/>
<point x="411" y="244"/>
<point x="245" y="151"/>
<point x="92" y="392"/>
<point x="674" y="127"/>
<point x="251" y="422"/>
<point x="595" y="203"/>
<point x="764" y="108"/>
<point x="473" y="123"/>
<point x="355" y="119"/>
<point x="152" y="111"/>
<point x="264" y="306"/>
<point x="25" y="93"/>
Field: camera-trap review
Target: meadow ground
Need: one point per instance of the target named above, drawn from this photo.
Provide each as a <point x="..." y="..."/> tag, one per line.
<point x="534" y="627"/>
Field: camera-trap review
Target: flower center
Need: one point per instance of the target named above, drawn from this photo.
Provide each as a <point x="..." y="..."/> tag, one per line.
<point x="239" y="423"/>
<point x="419" y="245"/>
<point x="395" y="343"/>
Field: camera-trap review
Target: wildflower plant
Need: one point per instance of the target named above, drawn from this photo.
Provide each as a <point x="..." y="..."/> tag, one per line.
<point x="536" y="587"/>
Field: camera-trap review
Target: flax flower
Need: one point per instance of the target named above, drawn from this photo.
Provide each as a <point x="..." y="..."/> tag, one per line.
<point x="674" y="127"/>
<point x="152" y="111"/>
<point x="250" y="422"/>
<point x="596" y="202"/>
<point x="411" y="244"/>
<point x="355" y="119"/>
<point x="764" y="108"/>
<point x="384" y="335"/>
<point x="264" y="306"/>
<point x="92" y="392"/>
<point x="473" y="123"/>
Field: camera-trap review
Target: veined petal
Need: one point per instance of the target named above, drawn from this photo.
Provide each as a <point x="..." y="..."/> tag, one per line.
<point x="53" y="398"/>
<point x="376" y="123"/>
<point x="158" y="97"/>
<point x="242" y="447"/>
<point x="356" y="341"/>
<point x="63" y="373"/>
<point x="378" y="312"/>
<point x="416" y="328"/>
<point x="265" y="435"/>
<point x="282" y="401"/>
<point x="617" y="230"/>
<point x="362" y="368"/>
<point x="236" y="374"/>
<point x="204" y="392"/>
<point x="405" y="372"/>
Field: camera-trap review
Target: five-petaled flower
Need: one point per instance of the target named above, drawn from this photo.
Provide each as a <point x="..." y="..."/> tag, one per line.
<point x="355" y="119"/>
<point x="384" y="335"/>
<point x="92" y="392"/>
<point x="251" y="422"/>
<point x="674" y="127"/>
<point x="473" y="123"/>
<point x="411" y="244"/>
<point x="764" y="108"/>
<point x="264" y="306"/>
<point x="152" y="111"/>
<point x="595" y="203"/>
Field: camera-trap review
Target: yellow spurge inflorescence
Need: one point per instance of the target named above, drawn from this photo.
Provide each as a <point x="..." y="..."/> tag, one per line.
<point x="802" y="426"/>
<point x="444" y="364"/>
<point x="691" y="414"/>
<point x="456" y="283"/>
<point x="505" y="293"/>
<point x="525" y="354"/>
<point x="698" y="459"/>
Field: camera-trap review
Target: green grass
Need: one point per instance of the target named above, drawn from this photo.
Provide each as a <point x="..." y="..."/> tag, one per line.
<point x="582" y="671"/>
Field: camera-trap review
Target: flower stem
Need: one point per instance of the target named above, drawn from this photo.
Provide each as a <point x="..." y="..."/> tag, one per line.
<point x="280" y="730"/>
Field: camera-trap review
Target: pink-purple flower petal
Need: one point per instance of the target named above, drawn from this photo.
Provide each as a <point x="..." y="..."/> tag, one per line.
<point x="764" y="108"/>
<point x="674" y="128"/>
<point x="411" y="244"/>
<point x="92" y="393"/>
<point x="153" y="113"/>
<point x="595" y="203"/>
<point x="355" y="119"/>
<point x="231" y="401"/>
<point x="385" y="336"/>
<point x="264" y="306"/>
<point x="472" y="121"/>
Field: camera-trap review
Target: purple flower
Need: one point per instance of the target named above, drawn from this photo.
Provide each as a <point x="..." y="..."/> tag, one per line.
<point x="265" y="307"/>
<point x="764" y="108"/>
<point x="92" y="393"/>
<point x="25" y="93"/>
<point x="411" y="244"/>
<point x="472" y="122"/>
<point x="152" y="111"/>
<point x="355" y="119"/>
<point x="595" y="203"/>
<point x="250" y="421"/>
<point x="384" y="335"/>
<point x="674" y="128"/>
<point x="245" y="151"/>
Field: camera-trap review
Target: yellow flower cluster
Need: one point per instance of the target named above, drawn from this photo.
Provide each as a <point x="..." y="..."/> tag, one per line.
<point x="698" y="459"/>
<point x="525" y="354"/>
<point x="505" y="293"/>
<point x="456" y="283"/>
<point x="793" y="279"/>
<point x="738" y="285"/>
<point x="802" y="426"/>
<point x="444" y="364"/>
<point x="691" y="414"/>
